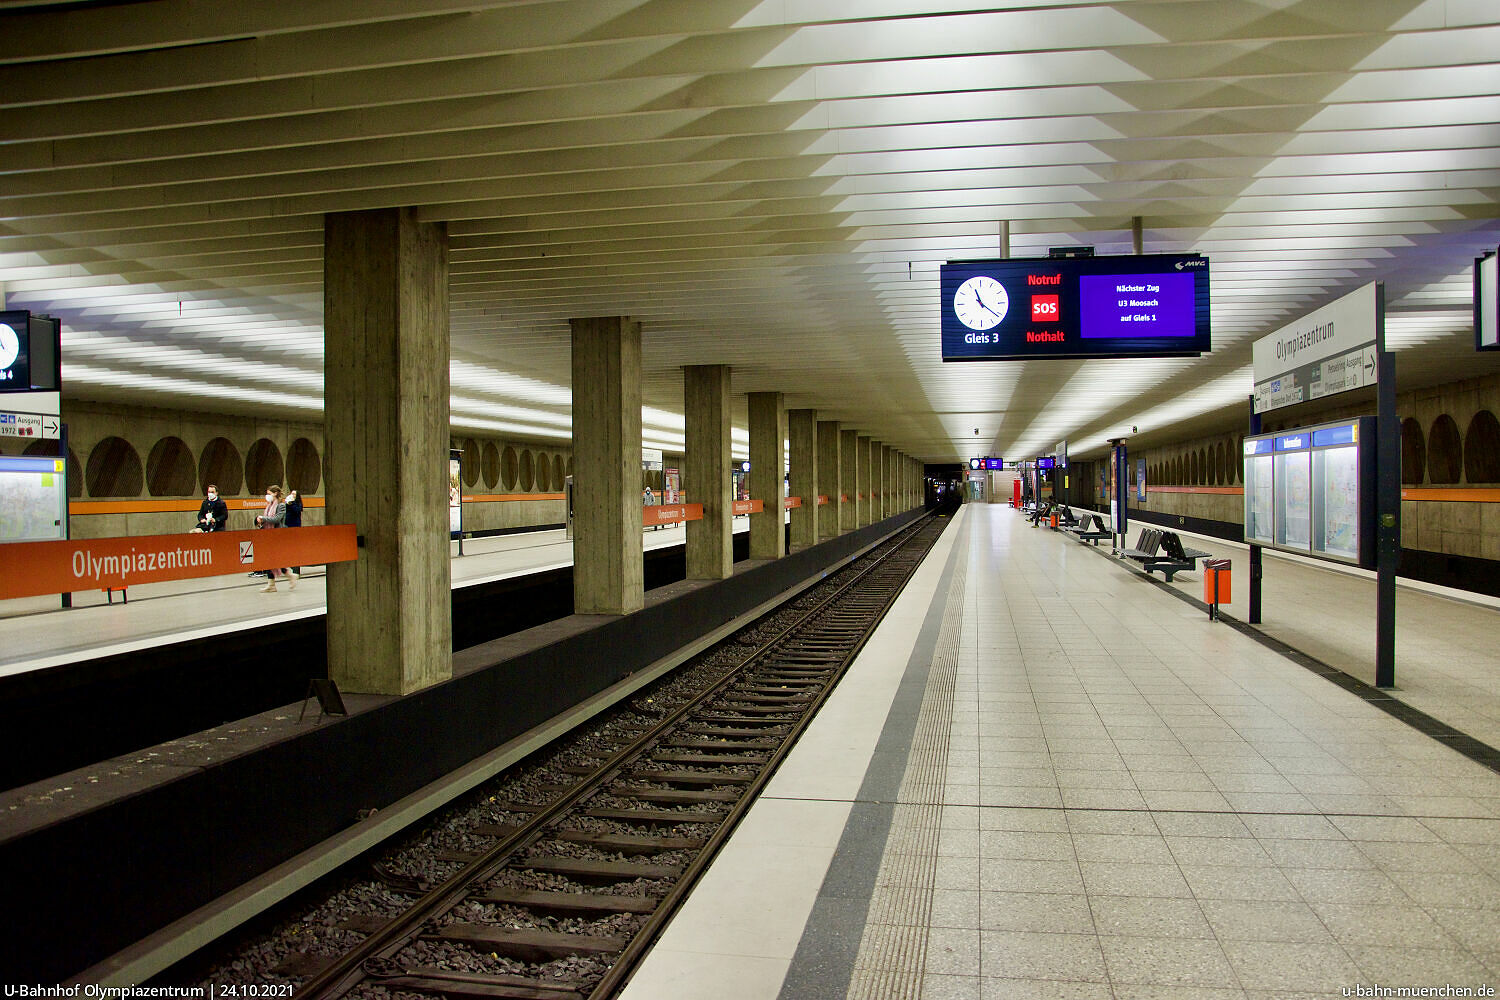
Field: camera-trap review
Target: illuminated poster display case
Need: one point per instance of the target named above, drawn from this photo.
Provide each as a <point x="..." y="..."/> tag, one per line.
<point x="1312" y="491"/>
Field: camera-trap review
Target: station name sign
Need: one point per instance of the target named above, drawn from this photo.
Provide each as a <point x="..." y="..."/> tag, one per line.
<point x="1148" y="305"/>
<point x="1328" y="351"/>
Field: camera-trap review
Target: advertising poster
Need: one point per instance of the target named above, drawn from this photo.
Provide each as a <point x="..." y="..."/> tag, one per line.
<point x="1294" y="482"/>
<point x="1140" y="480"/>
<point x="455" y="494"/>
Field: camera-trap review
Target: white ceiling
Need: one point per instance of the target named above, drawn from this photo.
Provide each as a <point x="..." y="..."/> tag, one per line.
<point x="769" y="184"/>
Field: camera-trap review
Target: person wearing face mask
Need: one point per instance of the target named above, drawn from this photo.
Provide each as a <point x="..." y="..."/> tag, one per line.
<point x="274" y="516"/>
<point x="213" y="513"/>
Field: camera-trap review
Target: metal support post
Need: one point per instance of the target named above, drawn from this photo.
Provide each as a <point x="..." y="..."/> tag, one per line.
<point x="1387" y="502"/>
<point x="1255" y="550"/>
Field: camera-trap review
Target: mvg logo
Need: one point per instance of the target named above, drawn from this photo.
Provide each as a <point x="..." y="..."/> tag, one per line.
<point x="247" y="552"/>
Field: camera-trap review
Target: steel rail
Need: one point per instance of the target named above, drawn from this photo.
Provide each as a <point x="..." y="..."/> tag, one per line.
<point x="666" y="909"/>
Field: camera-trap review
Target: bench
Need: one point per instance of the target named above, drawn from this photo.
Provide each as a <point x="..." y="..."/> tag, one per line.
<point x="1163" y="550"/>
<point x="1094" y="534"/>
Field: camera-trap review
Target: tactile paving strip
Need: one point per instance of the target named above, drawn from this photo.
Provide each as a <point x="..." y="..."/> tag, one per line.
<point x="892" y="953"/>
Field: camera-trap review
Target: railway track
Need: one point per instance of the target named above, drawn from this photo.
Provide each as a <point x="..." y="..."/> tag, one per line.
<point x="593" y="873"/>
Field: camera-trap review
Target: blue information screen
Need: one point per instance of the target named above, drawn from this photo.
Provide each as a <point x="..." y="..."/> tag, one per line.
<point x="1148" y="305"/>
<point x="1136" y="305"/>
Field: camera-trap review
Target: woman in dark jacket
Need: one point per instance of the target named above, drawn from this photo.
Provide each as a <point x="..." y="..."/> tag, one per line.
<point x="294" y="520"/>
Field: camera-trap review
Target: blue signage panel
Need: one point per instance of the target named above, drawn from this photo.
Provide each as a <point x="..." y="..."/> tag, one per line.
<point x="1149" y="305"/>
<point x="1046" y="463"/>
<point x="994" y="464"/>
<point x="1342" y="434"/>
<point x="1294" y="442"/>
<point x="1258" y="446"/>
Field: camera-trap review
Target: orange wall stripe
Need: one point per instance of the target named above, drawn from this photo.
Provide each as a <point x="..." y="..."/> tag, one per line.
<point x="1418" y="494"/>
<point x="78" y="508"/>
<point x="510" y="497"/>
<point x="1452" y="495"/>
<point x="1232" y="491"/>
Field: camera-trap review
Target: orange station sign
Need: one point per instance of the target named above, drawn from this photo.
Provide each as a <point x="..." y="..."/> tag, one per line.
<point x="33" y="569"/>
<point x="671" y="513"/>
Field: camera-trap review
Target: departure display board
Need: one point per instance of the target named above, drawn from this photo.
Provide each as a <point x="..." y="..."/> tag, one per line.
<point x="30" y="352"/>
<point x="1487" y="303"/>
<point x="1149" y="305"/>
<point x="15" y="352"/>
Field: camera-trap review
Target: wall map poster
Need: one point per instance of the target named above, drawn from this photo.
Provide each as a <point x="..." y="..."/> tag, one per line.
<point x="33" y="499"/>
<point x="1340" y="501"/>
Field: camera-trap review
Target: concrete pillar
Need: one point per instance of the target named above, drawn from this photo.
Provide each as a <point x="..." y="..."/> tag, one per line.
<point x="607" y="539"/>
<point x="830" y="477"/>
<point x="767" y="475"/>
<point x="877" y="484"/>
<point x="802" y="442"/>
<point x="865" y="488"/>
<point x="887" y="482"/>
<point x="710" y="543"/>
<point x="849" y="464"/>
<point x="385" y="378"/>
<point x="898" y="482"/>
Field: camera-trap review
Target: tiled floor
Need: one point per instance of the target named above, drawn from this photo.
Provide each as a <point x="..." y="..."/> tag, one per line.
<point x="1133" y="802"/>
<point x="1444" y="664"/>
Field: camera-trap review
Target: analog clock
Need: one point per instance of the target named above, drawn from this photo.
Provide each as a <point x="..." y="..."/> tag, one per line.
<point x="980" y="303"/>
<point x="10" y="347"/>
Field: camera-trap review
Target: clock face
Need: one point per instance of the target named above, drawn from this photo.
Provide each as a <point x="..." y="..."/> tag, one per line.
<point x="10" y="347"/>
<point x="980" y="303"/>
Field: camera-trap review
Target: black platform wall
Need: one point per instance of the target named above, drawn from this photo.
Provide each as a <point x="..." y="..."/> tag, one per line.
<point x="118" y="704"/>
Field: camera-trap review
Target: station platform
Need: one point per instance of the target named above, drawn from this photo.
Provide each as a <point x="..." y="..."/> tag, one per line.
<point x="1045" y="777"/>
<point x="35" y="633"/>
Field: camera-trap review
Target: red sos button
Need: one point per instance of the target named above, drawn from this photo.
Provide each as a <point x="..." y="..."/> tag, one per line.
<point x="1044" y="308"/>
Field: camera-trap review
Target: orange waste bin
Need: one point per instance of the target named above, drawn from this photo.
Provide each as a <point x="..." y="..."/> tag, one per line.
<point x="1216" y="584"/>
<point x="1054" y="520"/>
